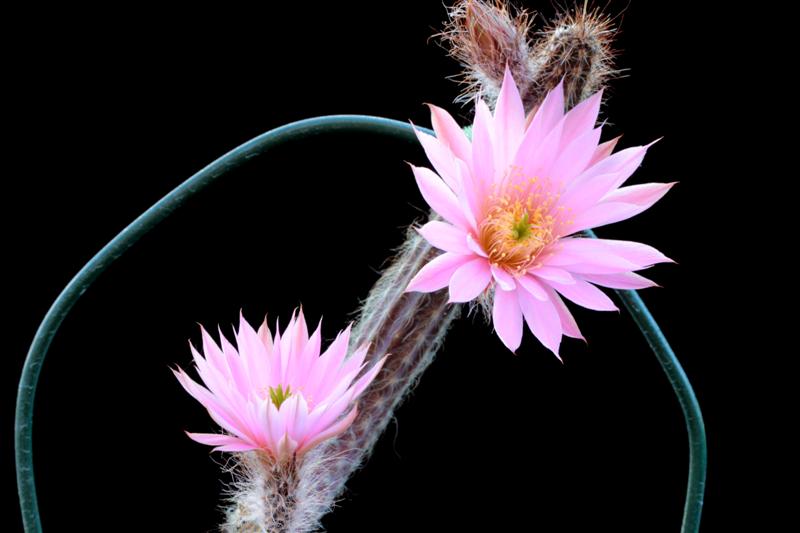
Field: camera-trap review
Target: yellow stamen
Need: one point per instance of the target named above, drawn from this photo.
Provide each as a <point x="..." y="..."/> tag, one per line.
<point x="517" y="225"/>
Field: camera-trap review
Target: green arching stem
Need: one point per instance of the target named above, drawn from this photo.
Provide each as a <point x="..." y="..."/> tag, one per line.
<point x="23" y="429"/>
<point x="692" y="414"/>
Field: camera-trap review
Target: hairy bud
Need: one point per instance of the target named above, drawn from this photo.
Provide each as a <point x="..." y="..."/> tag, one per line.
<point x="485" y="36"/>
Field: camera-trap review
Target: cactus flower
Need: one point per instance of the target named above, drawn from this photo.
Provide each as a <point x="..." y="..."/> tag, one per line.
<point x="514" y="199"/>
<point x="278" y="395"/>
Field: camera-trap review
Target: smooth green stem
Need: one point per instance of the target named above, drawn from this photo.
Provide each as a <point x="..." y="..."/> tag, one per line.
<point x="693" y="507"/>
<point x="23" y="430"/>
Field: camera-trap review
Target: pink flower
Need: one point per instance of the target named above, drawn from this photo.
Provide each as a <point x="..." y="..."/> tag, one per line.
<point x="277" y="395"/>
<point x="513" y="200"/>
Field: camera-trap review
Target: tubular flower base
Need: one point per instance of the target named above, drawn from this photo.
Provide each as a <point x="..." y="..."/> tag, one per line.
<point x="278" y="396"/>
<point x="513" y="201"/>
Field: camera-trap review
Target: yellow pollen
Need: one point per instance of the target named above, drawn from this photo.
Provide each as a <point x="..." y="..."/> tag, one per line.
<point x="516" y="228"/>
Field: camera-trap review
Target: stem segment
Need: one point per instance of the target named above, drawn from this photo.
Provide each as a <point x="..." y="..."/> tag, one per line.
<point x="691" y="408"/>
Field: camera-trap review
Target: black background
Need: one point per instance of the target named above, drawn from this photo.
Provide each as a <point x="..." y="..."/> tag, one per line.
<point x="113" y="110"/>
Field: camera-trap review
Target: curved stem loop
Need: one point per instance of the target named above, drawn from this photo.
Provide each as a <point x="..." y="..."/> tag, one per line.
<point x="23" y="429"/>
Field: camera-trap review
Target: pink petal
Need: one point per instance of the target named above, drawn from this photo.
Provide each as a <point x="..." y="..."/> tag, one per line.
<point x="543" y="320"/>
<point x="532" y="286"/>
<point x="584" y="255"/>
<point x="356" y="360"/>
<point x="235" y="447"/>
<point x="445" y="237"/>
<point x="549" y="273"/>
<point x="263" y="333"/>
<point x="236" y="369"/>
<point x="439" y="196"/>
<point x="586" y="295"/>
<point x="218" y="439"/>
<point x="503" y="278"/>
<point x="300" y="423"/>
<point x="574" y="159"/>
<point x="437" y="273"/>
<point x="640" y="254"/>
<point x="325" y="371"/>
<point x="583" y="116"/>
<point x="604" y="150"/>
<point x="286" y="447"/>
<point x="331" y="431"/>
<point x="364" y="381"/>
<point x="568" y="324"/>
<point x="309" y="356"/>
<point x="539" y="160"/>
<point x="623" y="164"/>
<point x="470" y="195"/>
<point x="222" y="413"/>
<point x="275" y="424"/>
<point x="256" y="347"/>
<point x="507" y="318"/>
<point x="476" y="248"/>
<point x="441" y="158"/>
<point x="604" y="214"/>
<point x="644" y="195"/>
<point x="300" y="336"/>
<point x="580" y="198"/>
<point x="549" y="113"/>
<point x="450" y="133"/>
<point x="469" y="280"/>
<point x="509" y="120"/>
<point x="623" y="280"/>
<point x="482" y="146"/>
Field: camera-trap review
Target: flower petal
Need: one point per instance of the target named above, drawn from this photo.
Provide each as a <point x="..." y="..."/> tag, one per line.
<point x="330" y="432"/>
<point x="583" y="255"/>
<point x="637" y="253"/>
<point x="574" y="159"/>
<point x="450" y="133"/>
<point x="549" y="113"/>
<point x="507" y="318"/>
<point x="623" y="280"/>
<point x="469" y="280"/>
<point x="476" y="248"/>
<point x="542" y="319"/>
<point x="604" y="214"/>
<point x="483" y="166"/>
<point x="439" y="196"/>
<point x="530" y="284"/>
<point x="437" y="273"/>
<point x="586" y="295"/>
<point x="644" y="195"/>
<point x="445" y="237"/>
<point x="538" y="161"/>
<point x="621" y="164"/>
<point x="604" y="150"/>
<point x="503" y="278"/>
<point x="441" y="158"/>
<point x="549" y="273"/>
<point x="568" y="324"/>
<point x="218" y="439"/>
<point x="583" y="116"/>
<point x="509" y="121"/>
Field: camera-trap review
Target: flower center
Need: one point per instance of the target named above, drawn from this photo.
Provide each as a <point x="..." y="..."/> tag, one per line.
<point x="278" y="394"/>
<point x="515" y="230"/>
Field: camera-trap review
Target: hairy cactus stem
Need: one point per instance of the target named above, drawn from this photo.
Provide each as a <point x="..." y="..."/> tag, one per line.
<point x="486" y="35"/>
<point x="411" y="326"/>
<point x="262" y="495"/>
<point x="408" y="326"/>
